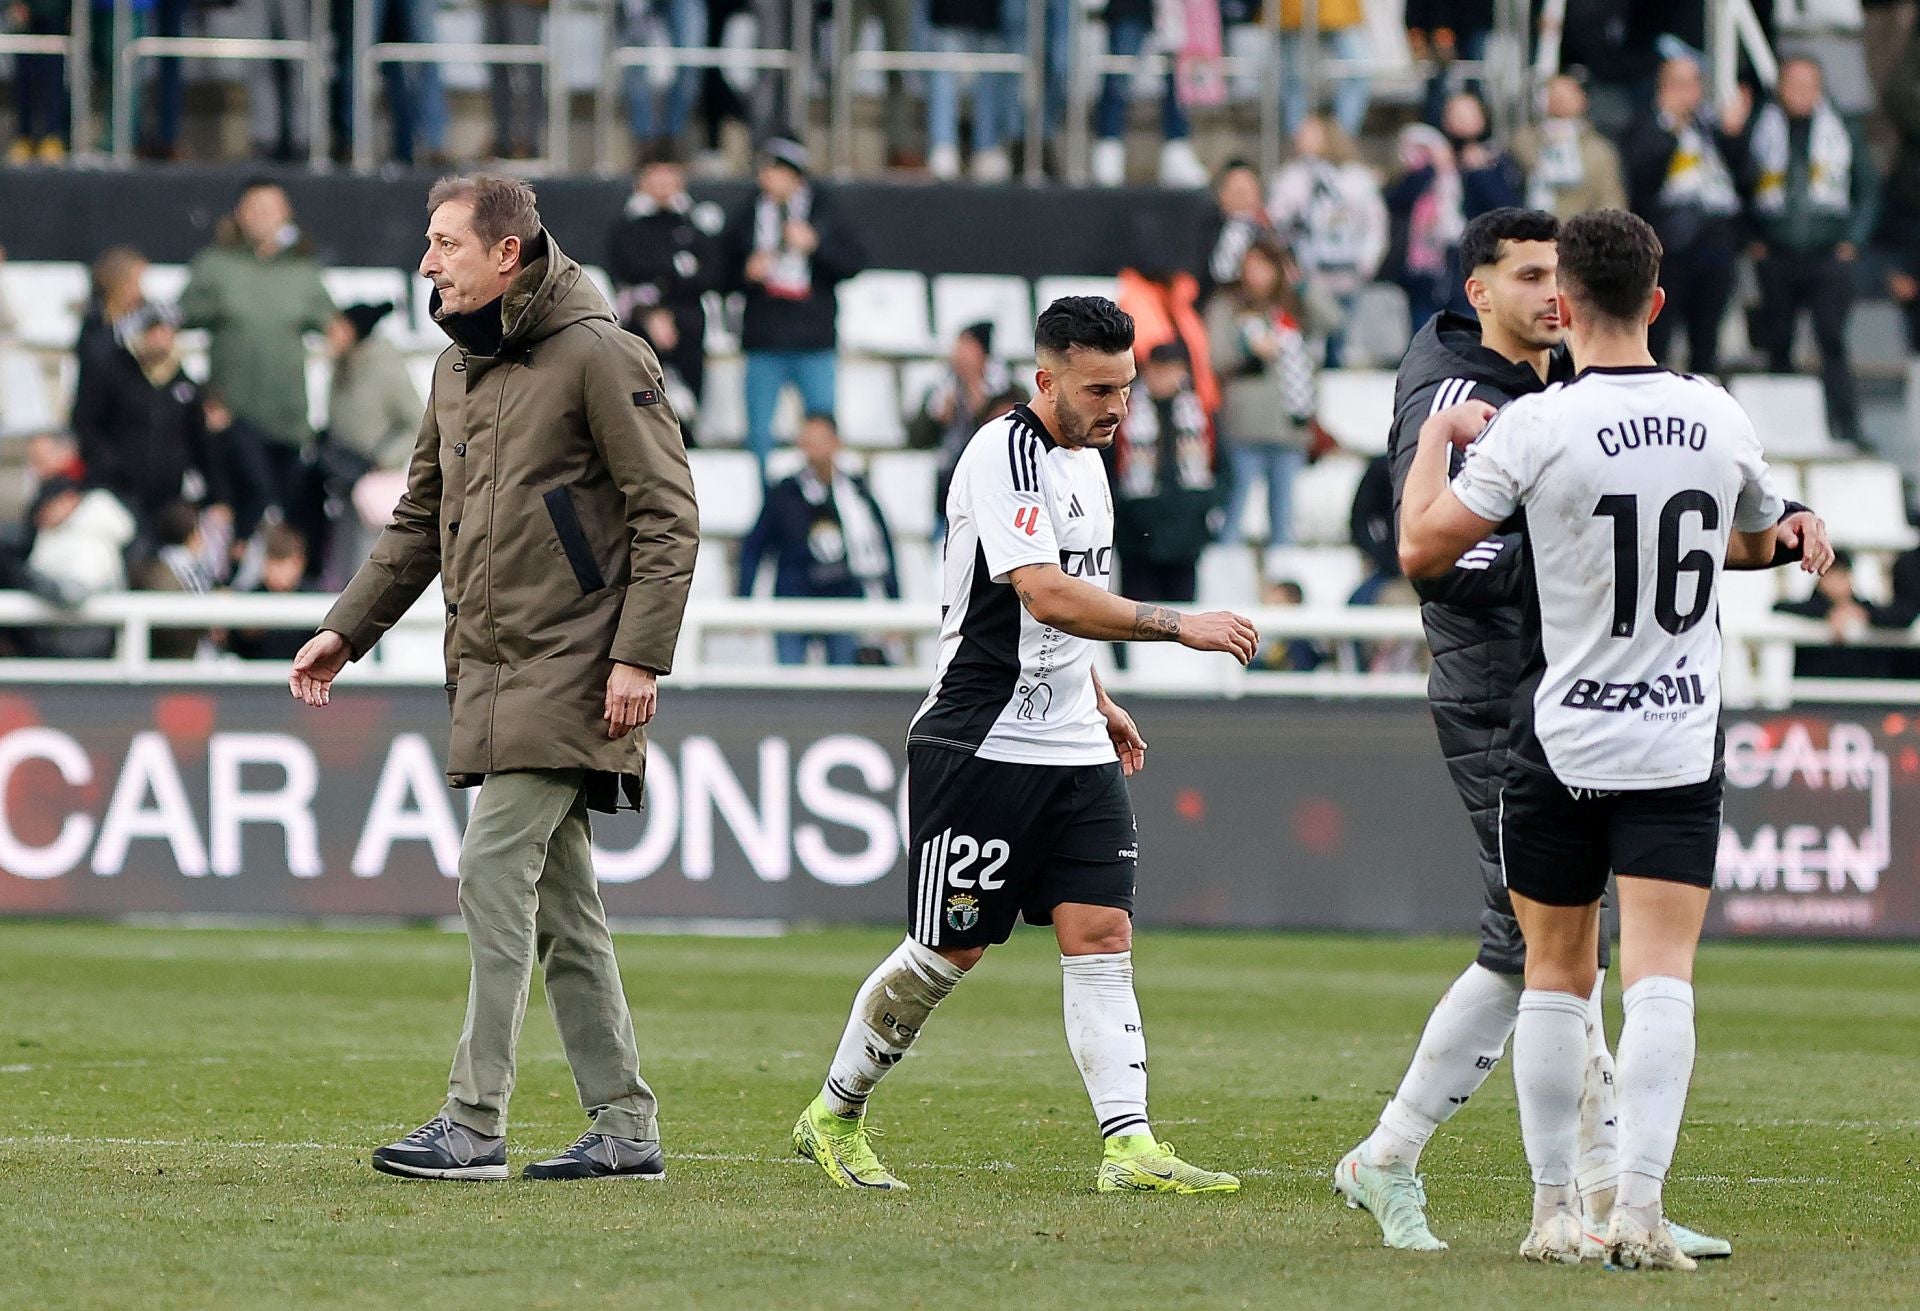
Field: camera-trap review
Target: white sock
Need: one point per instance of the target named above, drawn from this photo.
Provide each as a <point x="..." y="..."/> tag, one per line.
<point x="1656" y="1065"/>
<point x="1459" y="1048"/>
<point x="1599" y="1168"/>
<point x="1549" y="1058"/>
<point x="1107" y="1041"/>
<point x="888" y="1012"/>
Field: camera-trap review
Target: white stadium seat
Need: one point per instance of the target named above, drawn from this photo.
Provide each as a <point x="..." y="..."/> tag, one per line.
<point x="420" y="369"/>
<point x="723" y="407"/>
<point x="960" y="299"/>
<point x="24" y="404"/>
<point x="919" y="567"/>
<point x="163" y="283"/>
<point x="918" y="378"/>
<point x="1048" y="290"/>
<point x="598" y="277"/>
<point x="884" y="312"/>
<point x="713" y="572"/>
<point x="1748" y="595"/>
<point x="867" y="404"/>
<point x="1323" y="499"/>
<point x="1863" y="504"/>
<point x="727" y="486"/>
<point x="903" y="483"/>
<point x="1790" y="414"/>
<point x="1229" y="578"/>
<point x="1356" y="407"/>
<point x="1377" y="329"/>
<point x="721" y="339"/>
<point x="1789" y="481"/>
<point x="1327" y="574"/>
<point x="319" y="380"/>
<point x="47" y="299"/>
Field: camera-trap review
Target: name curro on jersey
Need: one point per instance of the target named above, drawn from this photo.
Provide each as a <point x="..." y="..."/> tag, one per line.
<point x="1655" y="432"/>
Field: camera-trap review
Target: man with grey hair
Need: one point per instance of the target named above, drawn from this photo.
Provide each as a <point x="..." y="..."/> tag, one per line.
<point x="549" y="490"/>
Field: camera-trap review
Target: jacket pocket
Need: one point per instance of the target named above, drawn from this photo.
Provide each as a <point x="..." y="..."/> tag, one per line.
<point x="573" y="540"/>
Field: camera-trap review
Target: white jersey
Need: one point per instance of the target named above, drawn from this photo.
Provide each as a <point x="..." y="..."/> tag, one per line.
<point x="1006" y="686"/>
<point x="1632" y="482"/>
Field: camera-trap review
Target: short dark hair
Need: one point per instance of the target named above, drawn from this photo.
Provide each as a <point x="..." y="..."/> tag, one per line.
<point x="1609" y="263"/>
<point x="284" y="542"/>
<point x="174" y="523"/>
<point x="502" y="207"/>
<point x="1168" y="352"/>
<point x="1090" y="322"/>
<point x="1481" y="243"/>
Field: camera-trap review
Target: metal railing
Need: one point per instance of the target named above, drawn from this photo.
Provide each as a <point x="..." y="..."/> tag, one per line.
<point x="74" y="49"/>
<point x="1084" y="75"/>
<point x="310" y="50"/>
<point x="1757" y="671"/>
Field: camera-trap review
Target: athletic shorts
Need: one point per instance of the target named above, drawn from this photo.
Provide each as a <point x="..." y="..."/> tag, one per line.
<point x="992" y="841"/>
<point x="1557" y="844"/>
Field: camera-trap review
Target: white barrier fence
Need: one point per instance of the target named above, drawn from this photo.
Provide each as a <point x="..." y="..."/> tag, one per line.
<point x="1758" y="669"/>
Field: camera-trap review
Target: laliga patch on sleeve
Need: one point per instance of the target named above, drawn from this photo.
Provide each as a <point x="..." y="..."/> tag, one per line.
<point x="649" y="396"/>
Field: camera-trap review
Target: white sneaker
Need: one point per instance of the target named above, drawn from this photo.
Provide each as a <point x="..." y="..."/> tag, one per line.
<point x="944" y="162"/>
<point x="1557" y="1242"/>
<point x="1109" y="162"/>
<point x="1633" y="1246"/>
<point x="992" y="165"/>
<point x="1180" y="167"/>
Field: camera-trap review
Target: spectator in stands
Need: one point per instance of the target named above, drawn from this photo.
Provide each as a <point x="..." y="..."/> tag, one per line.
<point x="138" y="417"/>
<point x="898" y="21"/>
<point x="1263" y="330"/>
<point x="177" y="566"/>
<point x="1239" y="219"/>
<point x="53" y="455"/>
<point x="1490" y="177"/>
<point x="788" y="249"/>
<point x="1570" y="167"/>
<point x="373" y="408"/>
<point x="276" y="102"/>
<point x="957" y="408"/>
<point x="283" y="570"/>
<point x="79" y="551"/>
<point x="1424" y="209"/>
<point x="39" y="84"/>
<point x="1374" y="530"/>
<point x="1443" y="31"/>
<point x="1681" y="172"/>
<point x="170" y="84"/>
<point x="251" y="473"/>
<point x="416" y="99"/>
<point x="1847" y="617"/>
<point x="1342" y="26"/>
<point x="678" y="23"/>
<point x="257" y="292"/>
<point x="1328" y="207"/>
<point x="1166" y="492"/>
<point x="1900" y="225"/>
<point x="970" y="27"/>
<point x="663" y="255"/>
<point x="1164" y="302"/>
<point x="827" y="537"/>
<point x="1129" y="24"/>
<point x="1814" y="197"/>
<point x="1296" y="654"/>
<point x="518" y="90"/>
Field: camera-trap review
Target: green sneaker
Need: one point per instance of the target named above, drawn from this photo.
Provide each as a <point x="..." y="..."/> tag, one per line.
<point x="1135" y="1163"/>
<point x="1393" y="1196"/>
<point x="839" y="1147"/>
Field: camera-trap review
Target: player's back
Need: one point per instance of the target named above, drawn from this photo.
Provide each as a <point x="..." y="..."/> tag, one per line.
<point x="1633" y="481"/>
<point x="1006" y="686"/>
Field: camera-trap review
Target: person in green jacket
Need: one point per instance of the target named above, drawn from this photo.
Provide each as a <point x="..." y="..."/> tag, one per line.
<point x="1813" y="198"/>
<point x="257" y="292"/>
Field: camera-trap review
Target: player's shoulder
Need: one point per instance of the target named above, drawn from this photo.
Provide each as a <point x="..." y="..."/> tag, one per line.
<point x="1005" y="450"/>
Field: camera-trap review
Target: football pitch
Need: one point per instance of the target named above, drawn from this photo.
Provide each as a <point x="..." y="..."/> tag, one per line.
<point x="185" y="1118"/>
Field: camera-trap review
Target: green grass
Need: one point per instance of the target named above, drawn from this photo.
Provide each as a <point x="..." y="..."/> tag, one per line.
<point x="185" y="1118"/>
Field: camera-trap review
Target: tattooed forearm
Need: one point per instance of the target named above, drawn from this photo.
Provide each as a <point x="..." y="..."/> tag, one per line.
<point x="1026" y="597"/>
<point x="1155" y="623"/>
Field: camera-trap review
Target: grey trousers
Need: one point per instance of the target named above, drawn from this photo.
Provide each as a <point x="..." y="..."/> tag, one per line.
<point x="527" y="887"/>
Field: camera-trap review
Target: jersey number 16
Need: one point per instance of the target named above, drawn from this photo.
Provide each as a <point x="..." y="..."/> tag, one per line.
<point x="1669" y="563"/>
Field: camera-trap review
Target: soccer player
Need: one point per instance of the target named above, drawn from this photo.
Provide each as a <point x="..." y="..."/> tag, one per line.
<point x="1015" y="762"/>
<point x="1637" y="487"/>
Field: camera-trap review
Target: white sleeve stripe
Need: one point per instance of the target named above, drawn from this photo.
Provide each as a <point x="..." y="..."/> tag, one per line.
<point x="1449" y="393"/>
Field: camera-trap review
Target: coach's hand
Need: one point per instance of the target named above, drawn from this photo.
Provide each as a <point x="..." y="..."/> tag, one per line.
<point x="1127" y="741"/>
<point x="325" y="655"/>
<point x="1808" y="531"/>
<point x="632" y="695"/>
<point x="1221" y="630"/>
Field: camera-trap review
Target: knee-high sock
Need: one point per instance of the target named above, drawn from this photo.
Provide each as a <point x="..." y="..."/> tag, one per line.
<point x="1549" y="1060"/>
<point x="888" y="1012"/>
<point x="1656" y="1066"/>
<point x="1599" y="1167"/>
<point x="1458" y="1050"/>
<point x="1106" y="1039"/>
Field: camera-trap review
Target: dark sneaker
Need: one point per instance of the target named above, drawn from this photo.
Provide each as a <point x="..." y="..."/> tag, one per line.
<point x="441" y="1149"/>
<point x="602" y="1156"/>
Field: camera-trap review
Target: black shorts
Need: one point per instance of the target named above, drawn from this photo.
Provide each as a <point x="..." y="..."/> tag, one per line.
<point x="992" y="841"/>
<point x="1557" y="844"/>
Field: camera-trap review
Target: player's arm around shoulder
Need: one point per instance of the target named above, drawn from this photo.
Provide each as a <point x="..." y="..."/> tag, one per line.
<point x="1438" y="526"/>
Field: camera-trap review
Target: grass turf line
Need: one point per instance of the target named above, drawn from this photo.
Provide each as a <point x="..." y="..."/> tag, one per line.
<point x="185" y="1118"/>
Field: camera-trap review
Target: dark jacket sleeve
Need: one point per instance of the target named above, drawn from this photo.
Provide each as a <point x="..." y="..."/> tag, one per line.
<point x="753" y="547"/>
<point x="1865" y="214"/>
<point x="1496" y="186"/>
<point x="1648" y="154"/>
<point x="841" y="252"/>
<point x="1499" y="583"/>
<point x="206" y="456"/>
<point x="735" y="244"/>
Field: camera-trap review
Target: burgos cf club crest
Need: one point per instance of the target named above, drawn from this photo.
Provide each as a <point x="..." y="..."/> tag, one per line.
<point x="963" y="912"/>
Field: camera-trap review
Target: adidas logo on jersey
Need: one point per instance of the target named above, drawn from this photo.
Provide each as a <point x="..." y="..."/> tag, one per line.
<point x="1073" y="508"/>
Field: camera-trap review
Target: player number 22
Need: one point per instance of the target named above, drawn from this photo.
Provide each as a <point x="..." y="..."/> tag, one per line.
<point x="966" y="851"/>
<point x="1669" y="563"/>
